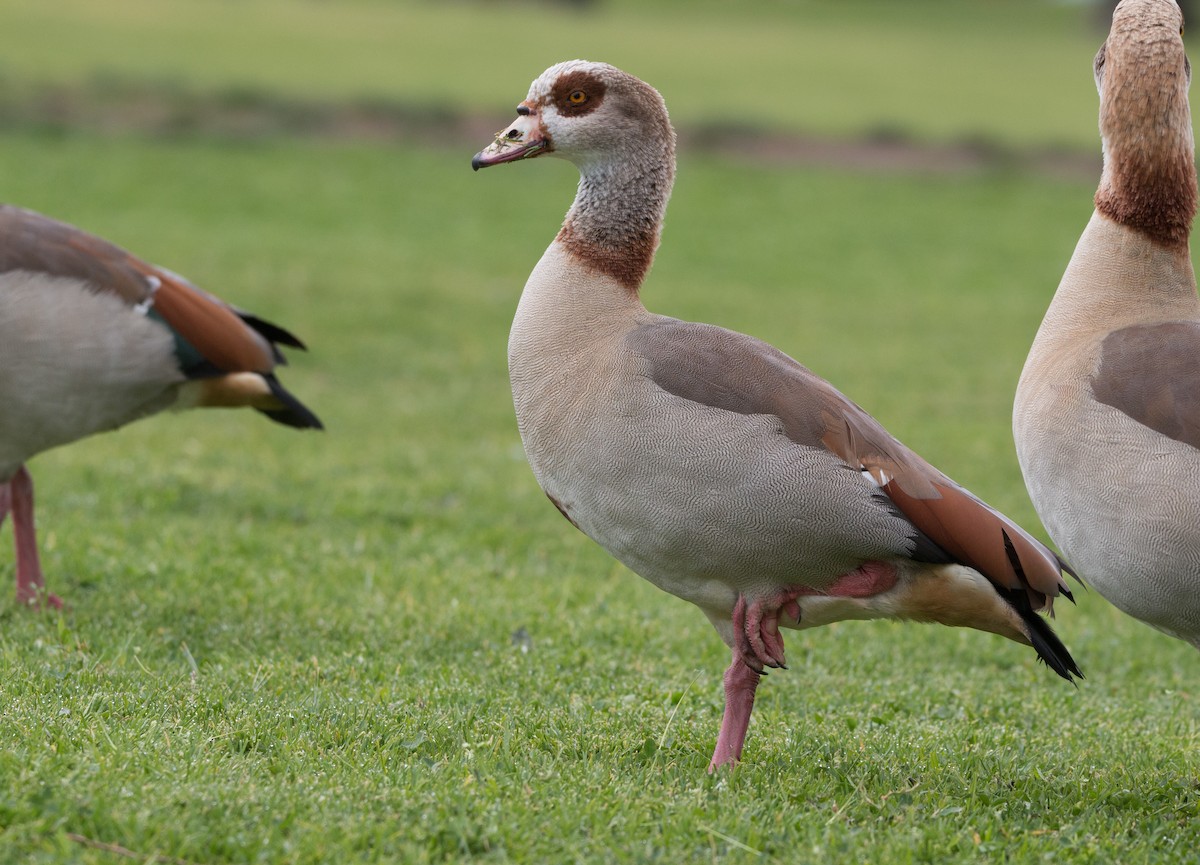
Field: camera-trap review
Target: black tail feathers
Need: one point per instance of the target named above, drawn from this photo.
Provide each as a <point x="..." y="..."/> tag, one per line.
<point x="293" y="413"/>
<point x="1045" y="642"/>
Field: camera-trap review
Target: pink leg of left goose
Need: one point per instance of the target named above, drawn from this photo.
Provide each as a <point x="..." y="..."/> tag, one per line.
<point x="16" y="494"/>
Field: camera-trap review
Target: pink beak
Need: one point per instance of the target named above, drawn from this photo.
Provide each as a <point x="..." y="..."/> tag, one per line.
<point x="521" y="140"/>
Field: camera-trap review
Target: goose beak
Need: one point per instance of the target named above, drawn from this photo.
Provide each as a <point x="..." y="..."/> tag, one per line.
<point x="523" y="139"/>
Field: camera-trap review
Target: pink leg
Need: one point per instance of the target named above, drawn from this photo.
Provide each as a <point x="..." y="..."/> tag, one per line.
<point x="5" y="499"/>
<point x="31" y="585"/>
<point x="740" y="682"/>
<point x="757" y="644"/>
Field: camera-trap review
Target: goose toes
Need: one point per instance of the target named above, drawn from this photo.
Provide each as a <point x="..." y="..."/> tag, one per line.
<point x="38" y="598"/>
<point x="756" y="629"/>
<point x="744" y="648"/>
<point x="762" y="629"/>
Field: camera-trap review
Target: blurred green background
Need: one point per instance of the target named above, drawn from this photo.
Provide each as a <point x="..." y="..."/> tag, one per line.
<point x="1005" y="71"/>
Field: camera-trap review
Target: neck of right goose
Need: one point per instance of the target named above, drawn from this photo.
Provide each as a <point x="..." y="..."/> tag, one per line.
<point x="1149" y="179"/>
<point x="614" y="225"/>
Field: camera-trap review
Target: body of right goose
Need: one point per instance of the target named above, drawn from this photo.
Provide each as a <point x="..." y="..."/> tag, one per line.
<point x="1107" y="413"/>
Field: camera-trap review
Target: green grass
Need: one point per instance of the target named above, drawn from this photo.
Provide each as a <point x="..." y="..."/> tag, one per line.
<point x="300" y="648"/>
<point x="1017" y="72"/>
<point x="381" y="643"/>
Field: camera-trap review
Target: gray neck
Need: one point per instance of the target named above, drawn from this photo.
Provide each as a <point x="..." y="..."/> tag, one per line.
<point x="615" y="222"/>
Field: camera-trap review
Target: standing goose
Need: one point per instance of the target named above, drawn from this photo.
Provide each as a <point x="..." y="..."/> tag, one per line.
<point x="92" y="338"/>
<point x="707" y="461"/>
<point x="1107" y="413"/>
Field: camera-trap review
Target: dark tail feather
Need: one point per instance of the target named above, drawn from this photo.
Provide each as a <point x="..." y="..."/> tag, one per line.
<point x="273" y="333"/>
<point x="294" y="413"/>
<point x="1047" y="644"/>
<point x="1014" y="559"/>
<point x="1067" y="569"/>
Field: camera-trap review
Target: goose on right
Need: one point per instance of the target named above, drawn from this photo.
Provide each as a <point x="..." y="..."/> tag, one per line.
<point x="1107" y="411"/>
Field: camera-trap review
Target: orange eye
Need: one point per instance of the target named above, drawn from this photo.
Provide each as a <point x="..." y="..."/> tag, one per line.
<point x="577" y="97"/>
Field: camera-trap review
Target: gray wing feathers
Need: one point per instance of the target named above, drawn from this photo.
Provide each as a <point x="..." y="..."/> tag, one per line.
<point x="39" y="244"/>
<point x="937" y="520"/>
<point x="1151" y="373"/>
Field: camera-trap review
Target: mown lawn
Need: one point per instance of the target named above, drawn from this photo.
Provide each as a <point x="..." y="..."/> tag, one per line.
<point x="381" y="643"/>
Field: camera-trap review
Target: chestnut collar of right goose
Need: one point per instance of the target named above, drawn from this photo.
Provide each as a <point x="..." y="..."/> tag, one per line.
<point x="1142" y="71"/>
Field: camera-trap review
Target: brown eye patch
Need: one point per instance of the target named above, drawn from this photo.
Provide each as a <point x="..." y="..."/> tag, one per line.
<point x="577" y="93"/>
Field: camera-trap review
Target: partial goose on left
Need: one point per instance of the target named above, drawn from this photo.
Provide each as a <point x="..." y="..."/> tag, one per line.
<point x="92" y="338"/>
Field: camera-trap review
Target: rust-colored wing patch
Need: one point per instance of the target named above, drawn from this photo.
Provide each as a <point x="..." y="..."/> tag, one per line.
<point x="1151" y="372"/>
<point x="969" y="530"/>
<point x="979" y="536"/>
<point x="209" y="325"/>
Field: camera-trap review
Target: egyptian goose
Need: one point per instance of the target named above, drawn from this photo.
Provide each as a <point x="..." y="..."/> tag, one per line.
<point x="707" y="461"/>
<point x="1107" y="411"/>
<point x="92" y="338"/>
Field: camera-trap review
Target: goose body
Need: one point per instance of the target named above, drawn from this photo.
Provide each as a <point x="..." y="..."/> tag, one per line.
<point x="92" y="338"/>
<point x="710" y="463"/>
<point x="1107" y="411"/>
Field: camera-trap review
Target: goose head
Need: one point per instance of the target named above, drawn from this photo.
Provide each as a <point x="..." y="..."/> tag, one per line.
<point x="588" y="113"/>
<point x="1142" y="74"/>
<point x="614" y="128"/>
